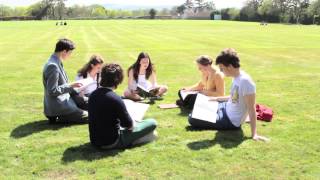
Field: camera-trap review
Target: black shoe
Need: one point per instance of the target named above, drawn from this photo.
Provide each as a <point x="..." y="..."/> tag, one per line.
<point x="158" y="98"/>
<point x="52" y="119"/>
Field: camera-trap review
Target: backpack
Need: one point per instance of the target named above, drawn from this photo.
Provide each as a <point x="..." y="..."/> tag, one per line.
<point x="264" y="113"/>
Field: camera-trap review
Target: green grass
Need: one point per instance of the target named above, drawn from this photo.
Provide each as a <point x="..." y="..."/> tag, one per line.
<point x="282" y="59"/>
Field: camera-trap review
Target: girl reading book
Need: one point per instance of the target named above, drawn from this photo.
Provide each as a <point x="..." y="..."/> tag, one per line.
<point x="139" y="85"/>
<point x="211" y="83"/>
<point x="91" y="72"/>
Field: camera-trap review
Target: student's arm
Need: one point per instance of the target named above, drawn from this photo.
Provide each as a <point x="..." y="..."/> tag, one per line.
<point x="123" y="115"/>
<point x="219" y="82"/>
<point x="196" y="87"/>
<point x="131" y="80"/>
<point x="153" y="79"/>
<point x="52" y="78"/>
<point x="220" y="98"/>
<point x="250" y="103"/>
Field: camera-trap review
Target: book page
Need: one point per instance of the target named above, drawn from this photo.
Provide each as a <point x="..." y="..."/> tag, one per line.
<point x="204" y="109"/>
<point x="85" y="83"/>
<point x="185" y="93"/>
<point x="136" y="110"/>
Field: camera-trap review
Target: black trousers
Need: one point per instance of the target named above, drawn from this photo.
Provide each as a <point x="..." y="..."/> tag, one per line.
<point x="189" y="101"/>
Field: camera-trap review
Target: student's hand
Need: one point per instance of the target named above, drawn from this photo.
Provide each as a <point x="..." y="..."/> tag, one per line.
<point x="260" y="138"/>
<point x="76" y="85"/>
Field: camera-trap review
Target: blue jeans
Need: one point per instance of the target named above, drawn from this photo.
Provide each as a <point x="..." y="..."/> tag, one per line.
<point x="222" y="122"/>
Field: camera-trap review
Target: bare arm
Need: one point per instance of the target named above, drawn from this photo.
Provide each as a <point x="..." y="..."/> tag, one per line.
<point x="220" y="98"/>
<point x="250" y="101"/>
<point x="153" y="78"/>
<point x="195" y="87"/>
<point x="219" y="91"/>
<point x="131" y="80"/>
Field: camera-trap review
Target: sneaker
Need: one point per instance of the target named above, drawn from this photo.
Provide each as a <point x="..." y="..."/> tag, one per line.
<point x="158" y="98"/>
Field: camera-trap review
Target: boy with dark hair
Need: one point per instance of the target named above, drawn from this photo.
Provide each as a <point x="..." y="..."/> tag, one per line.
<point x="240" y="103"/>
<point x="107" y="113"/>
<point x="58" y="105"/>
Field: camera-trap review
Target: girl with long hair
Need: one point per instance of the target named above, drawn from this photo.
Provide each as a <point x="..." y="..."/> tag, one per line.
<point x="91" y="70"/>
<point x="139" y="75"/>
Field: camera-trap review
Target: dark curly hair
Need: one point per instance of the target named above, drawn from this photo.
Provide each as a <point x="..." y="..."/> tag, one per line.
<point x="111" y="75"/>
<point x="228" y="57"/>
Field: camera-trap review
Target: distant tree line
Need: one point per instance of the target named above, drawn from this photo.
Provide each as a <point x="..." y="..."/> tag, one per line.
<point x="284" y="11"/>
<point x="56" y="9"/>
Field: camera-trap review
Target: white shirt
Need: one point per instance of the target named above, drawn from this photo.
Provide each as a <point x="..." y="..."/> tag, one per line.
<point x="237" y="111"/>
<point x="142" y="81"/>
<point x="90" y="88"/>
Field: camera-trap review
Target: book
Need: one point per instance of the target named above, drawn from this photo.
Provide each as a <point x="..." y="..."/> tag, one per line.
<point x="185" y="93"/>
<point x="204" y="109"/>
<point x="136" y="110"/>
<point x="147" y="92"/>
<point x="168" y="106"/>
<point x="85" y="83"/>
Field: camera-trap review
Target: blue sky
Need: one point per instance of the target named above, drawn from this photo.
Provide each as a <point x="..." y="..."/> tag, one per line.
<point x="219" y="3"/>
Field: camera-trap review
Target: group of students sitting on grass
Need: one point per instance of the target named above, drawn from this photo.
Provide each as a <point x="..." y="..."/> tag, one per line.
<point x="110" y="125"/>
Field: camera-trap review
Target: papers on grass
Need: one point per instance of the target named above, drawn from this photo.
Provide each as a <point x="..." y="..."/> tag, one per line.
<point x="185" y="93"/>
<point x="204" y="109"/>
<point x="136" y="110"/>
<point x="168" y="106"/>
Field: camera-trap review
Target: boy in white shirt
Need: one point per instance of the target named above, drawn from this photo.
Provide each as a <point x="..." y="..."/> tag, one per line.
<point x="241" y="102"/>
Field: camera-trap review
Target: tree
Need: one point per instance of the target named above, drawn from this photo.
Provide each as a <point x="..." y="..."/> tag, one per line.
<point x="250" y="11"/>
<point x="297" y="8"/>
<point x="269" y="11"/>
<point x="60" y="8"/>
<point x="314" y="8"/>
<point x="5" y="11"/>
<point x="98" y="11"/>
<point x="152" y="13"/>
<point x="181" y="8"/>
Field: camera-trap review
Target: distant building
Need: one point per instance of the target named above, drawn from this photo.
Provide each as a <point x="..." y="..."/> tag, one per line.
<point x="217" y="17"/>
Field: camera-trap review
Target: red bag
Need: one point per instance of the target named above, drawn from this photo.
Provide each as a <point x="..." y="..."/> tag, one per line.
<point x="264" y="113"/>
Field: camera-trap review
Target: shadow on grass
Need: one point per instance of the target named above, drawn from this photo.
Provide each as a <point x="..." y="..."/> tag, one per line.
<point x="36" y="127"/>
<point x="226" y="139"/>
<point x="87" y="152"/>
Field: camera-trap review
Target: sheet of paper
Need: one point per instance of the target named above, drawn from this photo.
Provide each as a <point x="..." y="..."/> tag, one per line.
<point x="184" y="93"/>
<point x="204" y="109"/>
<point x="85" y="83"/>
<point x="136" y="110"/>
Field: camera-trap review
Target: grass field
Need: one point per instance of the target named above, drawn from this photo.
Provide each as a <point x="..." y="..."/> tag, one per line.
<point x="282" y="59"/>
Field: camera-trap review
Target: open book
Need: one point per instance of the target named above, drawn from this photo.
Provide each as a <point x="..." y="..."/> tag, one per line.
<point x="204" y="109"/>
<point x="147" y="92"/>
<point x="136" y="110"/>
<point x="185" y="93"/>
<point x="85" y="83"/>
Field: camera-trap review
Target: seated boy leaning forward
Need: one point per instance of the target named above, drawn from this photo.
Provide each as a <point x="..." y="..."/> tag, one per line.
<point x="233" y="110"/>
<point x="59" y="96"/>
<point x="110" y="125"/>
